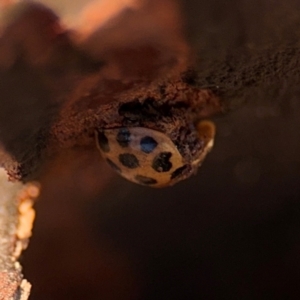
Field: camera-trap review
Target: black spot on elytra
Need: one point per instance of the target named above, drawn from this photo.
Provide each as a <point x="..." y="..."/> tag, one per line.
<point x="178" y="171"/>
<point x="113" y="165"/>
<point x="145" y="180"/>
<point x="103" y="142"/>
<point x="129" y="160"/>
<point x="161" y="162"/>
<point x="123" y="137"/>
<point x="148" y="144"/>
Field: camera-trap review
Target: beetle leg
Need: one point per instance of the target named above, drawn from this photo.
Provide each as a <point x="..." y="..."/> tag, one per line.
<point x="206" y="130"/>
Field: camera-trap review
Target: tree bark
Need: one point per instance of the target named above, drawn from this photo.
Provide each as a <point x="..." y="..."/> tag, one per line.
<point x="244" y="57"/>
<point x="16" y="221"/>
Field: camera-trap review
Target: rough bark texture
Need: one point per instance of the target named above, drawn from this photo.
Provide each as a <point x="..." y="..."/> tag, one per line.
<point x="16" y="219"/>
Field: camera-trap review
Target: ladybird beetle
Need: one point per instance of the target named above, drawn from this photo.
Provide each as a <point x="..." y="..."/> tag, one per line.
<point x="149" y="157"/>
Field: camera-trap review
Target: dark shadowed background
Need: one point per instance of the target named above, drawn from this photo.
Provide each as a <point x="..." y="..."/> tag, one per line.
<point x="232" y="231"/>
